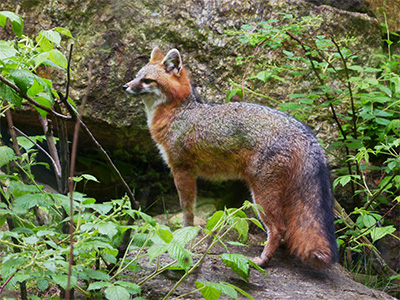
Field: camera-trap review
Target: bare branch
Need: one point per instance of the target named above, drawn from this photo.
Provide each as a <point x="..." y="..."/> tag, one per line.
<point x="71" y="181"/>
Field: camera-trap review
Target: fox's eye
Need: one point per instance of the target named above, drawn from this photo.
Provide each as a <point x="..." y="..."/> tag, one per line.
<point x="147" y="80"/>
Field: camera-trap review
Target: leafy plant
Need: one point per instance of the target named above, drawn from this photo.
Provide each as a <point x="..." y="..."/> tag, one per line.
<point x="38" y="255"/>
<point x="364" y="104"/>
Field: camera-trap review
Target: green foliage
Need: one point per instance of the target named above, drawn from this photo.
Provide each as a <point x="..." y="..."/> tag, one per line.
<point x="364" y="101"/>
<point x="39" y="254"/>
<point x="21" y="58"/>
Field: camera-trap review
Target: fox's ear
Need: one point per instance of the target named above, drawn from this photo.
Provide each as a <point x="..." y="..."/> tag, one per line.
<point x="156" y="55"/>
<point x="172" y="61"/>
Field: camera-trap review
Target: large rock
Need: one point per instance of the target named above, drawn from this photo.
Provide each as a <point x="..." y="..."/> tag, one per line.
<point x="119" y="35"/>
<point x="286" y="278"/>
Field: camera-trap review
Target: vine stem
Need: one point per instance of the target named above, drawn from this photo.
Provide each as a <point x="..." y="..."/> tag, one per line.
<point x="6" y="282"/>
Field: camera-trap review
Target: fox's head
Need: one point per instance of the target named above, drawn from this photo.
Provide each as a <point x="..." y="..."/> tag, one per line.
<point x="163" y="78"/>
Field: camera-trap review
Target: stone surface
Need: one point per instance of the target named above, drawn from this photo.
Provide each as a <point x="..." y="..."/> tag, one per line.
<point x="286" y="278"/>
<point x="119" y="35"/>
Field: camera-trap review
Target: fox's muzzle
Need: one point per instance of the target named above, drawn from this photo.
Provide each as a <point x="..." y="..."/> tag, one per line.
<point x="135" y="90"/>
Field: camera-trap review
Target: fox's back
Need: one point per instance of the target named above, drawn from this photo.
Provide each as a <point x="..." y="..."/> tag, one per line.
<point x="226" y="140"/>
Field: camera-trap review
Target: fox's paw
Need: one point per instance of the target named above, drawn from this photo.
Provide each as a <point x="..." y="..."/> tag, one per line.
<point x="261" y="262"/>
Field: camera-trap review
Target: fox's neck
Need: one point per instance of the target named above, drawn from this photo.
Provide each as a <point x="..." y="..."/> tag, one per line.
<point x="152" y="102"/>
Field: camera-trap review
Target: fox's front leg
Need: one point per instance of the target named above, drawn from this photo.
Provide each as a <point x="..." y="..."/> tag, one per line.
<point x="186" y="185"/>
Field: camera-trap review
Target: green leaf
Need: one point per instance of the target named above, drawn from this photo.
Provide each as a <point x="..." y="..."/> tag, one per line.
<point x="116" y="293"/>
<point x="264" y="75"/>
<point x="231" y="93"/>
<point x="98" y="285"/>
<point x="89" y="177"/>
<point x="109" y="229"/>
<point x="62" y="280"/>
<point x="52" y="36"/>
<point x="165" y="235"/>
<point x="213" y="221"/>
<point x="181" y="255"/>
<point x="365" y="221"/>
<point x="9" y="94"/>
<point x="343" y="180"/>
<point x="372" y="70"/>
<point x="17" y="24"/>
<point x="97" y="275"/>
<point x="242" y="227"/>
<point x="58" y="58"/>
<point x="379" y="232"/>
<point x="147" y="218"/>
<point x="6" y="155"/>
<point x="6" y="50"/>
<point x="42" y="283"/>
<point x="355" y="68"/>
<point x="288" y="53"/>
<point x="50" y="265"/>
<point x="238" y="263"/>
<point x="212" y="290"/>
<point x="25" y="202"/>
<point x="40" y="58"/>
<point x="24" y="143"/>
<point x="184" y="235"/>
<point x="257" y="267"/>
<point x="132" y="288"/>
<point x="64" y="31"/>
<point x="31" y="240"/>
<point x="101" y="208"/>
<point x="22" y="79"/>
<point x="156" y="250"/>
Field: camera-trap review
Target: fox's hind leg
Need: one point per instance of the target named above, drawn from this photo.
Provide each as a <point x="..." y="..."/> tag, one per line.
<point x="269" y="198"/>
<point x="186" y="185"/>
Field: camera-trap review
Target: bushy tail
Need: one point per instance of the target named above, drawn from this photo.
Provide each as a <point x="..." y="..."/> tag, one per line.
<point x="310" y="230"/>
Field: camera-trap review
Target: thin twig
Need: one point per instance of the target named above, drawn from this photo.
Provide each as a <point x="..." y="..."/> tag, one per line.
<point x="68" y="73"/>
<point x="30" y="100"/>
<point x="6" y="282"/>
<point x="328" y="97"/>
<point x="248" y="67"/>
<point x="56" y="168"/>
<point x="71" y="181"/>
<point x="134" y="203"/>
<point x="12" y="132"/>
<point x="367" y="205"/>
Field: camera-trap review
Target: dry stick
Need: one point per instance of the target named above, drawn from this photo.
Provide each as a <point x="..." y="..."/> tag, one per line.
<point x="71" y="181"/>
<point x="47" y="128"/>
<point x="30" y="100"/>
<point x="12" y="132"/>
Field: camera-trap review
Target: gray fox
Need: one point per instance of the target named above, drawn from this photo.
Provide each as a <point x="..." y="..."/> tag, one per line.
<point x="277" y="156"/>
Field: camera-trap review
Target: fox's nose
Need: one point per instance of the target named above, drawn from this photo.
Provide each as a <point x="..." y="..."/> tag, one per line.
<point x="125" y="87"/>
